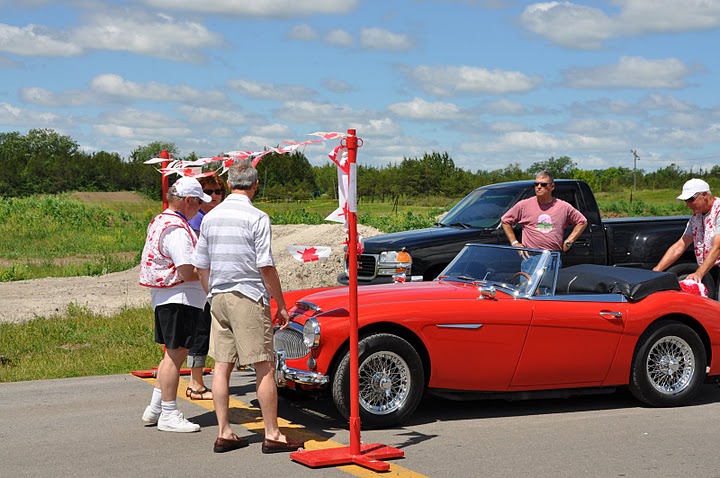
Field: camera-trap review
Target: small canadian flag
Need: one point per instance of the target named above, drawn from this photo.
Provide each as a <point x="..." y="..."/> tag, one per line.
<point x="309" y="253"/>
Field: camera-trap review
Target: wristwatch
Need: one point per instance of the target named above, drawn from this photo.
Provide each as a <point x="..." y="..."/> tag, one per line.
<point x="568" y="244"/>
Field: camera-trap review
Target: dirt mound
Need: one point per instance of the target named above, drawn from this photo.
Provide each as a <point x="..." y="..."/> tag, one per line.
<point x="108" y="294"/>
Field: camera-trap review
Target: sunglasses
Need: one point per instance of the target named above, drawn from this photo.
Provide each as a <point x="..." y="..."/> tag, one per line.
<point x="544" y="185"/>
<point x="213" y="191"/>
<point x="693" y="198"/>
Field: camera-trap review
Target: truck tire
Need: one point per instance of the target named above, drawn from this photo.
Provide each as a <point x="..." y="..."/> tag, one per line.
<point x="668" y="367"/>
<point x="392" y="381"/>
<point x="683" y="270"/>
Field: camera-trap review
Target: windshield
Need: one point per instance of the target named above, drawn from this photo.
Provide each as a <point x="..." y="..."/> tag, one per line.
<point x="481" y="208"/>
<point x="519" y="271"/>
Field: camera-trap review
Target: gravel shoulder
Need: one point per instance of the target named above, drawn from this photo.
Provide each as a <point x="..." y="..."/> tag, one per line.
<point x="24" y="300"/>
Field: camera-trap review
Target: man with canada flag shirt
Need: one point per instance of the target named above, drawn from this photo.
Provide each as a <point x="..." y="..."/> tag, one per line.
<point x="177" y="297"/>
<point x="703" y="230"/>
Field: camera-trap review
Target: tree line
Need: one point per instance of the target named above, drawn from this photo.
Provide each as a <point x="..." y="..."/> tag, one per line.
<point x="46" y="162"/>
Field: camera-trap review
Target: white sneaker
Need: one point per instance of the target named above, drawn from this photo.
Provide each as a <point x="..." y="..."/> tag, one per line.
<point x="175" y="422"/>
<point x="149" y="417"/>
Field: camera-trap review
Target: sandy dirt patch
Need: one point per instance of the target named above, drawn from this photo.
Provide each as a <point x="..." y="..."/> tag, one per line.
<point x="24" y="300"/>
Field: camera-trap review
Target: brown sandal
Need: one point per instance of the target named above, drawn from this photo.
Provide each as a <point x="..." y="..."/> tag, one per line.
<point x="198" y="394"/>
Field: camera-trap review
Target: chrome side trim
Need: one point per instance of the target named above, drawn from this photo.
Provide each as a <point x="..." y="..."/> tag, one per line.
<point x="608" y="298"/>
<point x="459" y="326"/>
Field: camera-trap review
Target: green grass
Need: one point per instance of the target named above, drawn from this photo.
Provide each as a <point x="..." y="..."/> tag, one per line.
<point x="659" y="202"/>
<point x="58" y="236"/>
<point x="78" y="343"/>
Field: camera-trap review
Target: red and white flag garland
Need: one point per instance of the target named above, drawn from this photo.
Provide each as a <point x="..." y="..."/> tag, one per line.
<point x="347" y="182"/>
<point x="309" y="253"/>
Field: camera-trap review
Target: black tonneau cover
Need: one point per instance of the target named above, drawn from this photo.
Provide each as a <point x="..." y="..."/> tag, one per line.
<point x="634" y="284"/>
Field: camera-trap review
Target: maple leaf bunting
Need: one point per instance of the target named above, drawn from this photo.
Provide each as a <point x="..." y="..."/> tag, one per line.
<point x="693" y="287"/>
<point x="309" y="253"/>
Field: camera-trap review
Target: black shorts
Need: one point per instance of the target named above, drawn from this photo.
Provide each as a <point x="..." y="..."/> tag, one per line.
<point x="201" y="343"/>
<point x="175" y="325"/>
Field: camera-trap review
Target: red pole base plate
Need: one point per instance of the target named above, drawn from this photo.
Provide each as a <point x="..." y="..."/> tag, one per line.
<point x="369" y="457"/>
<point x="153" y="373"/>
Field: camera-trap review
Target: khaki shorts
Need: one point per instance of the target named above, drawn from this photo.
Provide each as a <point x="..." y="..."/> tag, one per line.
<point x="241" y="330"/>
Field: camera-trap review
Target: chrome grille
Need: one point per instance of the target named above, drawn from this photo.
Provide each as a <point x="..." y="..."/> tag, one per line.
<point x="291" y="341"/>
<point x="367" y="267"/>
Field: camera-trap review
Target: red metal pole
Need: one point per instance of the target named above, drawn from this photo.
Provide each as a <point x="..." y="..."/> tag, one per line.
<point x="368" y="455"/>
<point x="164" y="154"/>
<point x="351" y="143"/>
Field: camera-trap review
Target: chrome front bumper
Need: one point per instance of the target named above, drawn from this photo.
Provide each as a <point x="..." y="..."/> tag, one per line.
<point x="283" y="374"/>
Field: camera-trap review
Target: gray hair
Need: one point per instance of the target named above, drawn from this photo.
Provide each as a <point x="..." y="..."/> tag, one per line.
<point x="546" y="174"/>
<point x="172" y="196"/>
<point x="242" y="175"/>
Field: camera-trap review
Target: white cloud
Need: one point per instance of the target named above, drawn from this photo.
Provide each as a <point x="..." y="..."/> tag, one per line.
<point x="260" y="8"/>
<point x="569" y="24"/>
<point x="140" y="126"/>
<point x="338" y="86"/>
<point x="420" y="109"/>
<point x="34" y="40"/>
<point x="302" y="32"/>
<point x="40" y="96"/>
<point x="505" y="107"/>
<point x="630" y="72"/>
<point x="669" y="15"/>
<point x="578" y="26"/>
<point x="160" y="36"/>
<point x="338" y="37"/>
<point x="269" y="91"/>
<point x="14" y="116"/>
<point x="457" y="80"/>
<point x="375" y="128"/>
<point x="379" y="39"/>
<point x="275" y="130"/>
<point x="112" y="85"/>
<point x="202" y="115"/>
<point x="311" y="112"/>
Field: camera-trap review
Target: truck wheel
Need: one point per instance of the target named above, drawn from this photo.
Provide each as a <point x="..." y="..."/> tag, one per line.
<point x="683" y="270"/>
<point x="391" y="377"/>
<point x="669" y="365"/>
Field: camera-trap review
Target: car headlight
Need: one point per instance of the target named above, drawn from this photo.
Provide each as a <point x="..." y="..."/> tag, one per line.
<point x="394" y="262"/>
<point x="311" y="333"/>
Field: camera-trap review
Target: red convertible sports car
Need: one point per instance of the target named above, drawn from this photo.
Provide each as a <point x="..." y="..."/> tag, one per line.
<point x="503" y="322"/>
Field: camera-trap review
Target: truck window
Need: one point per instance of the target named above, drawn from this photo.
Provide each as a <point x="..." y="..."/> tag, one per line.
<point x="569" y="196"/>
<point x="481" y="208"/>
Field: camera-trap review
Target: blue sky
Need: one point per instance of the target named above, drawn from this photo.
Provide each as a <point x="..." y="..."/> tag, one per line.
<point x="491" y="82"/>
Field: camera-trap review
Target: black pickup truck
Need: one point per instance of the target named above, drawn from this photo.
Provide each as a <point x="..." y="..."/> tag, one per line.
<point x="629" y="242"/>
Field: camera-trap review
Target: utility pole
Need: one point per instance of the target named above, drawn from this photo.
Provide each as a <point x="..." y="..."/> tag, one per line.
<point x="636" y="157"/>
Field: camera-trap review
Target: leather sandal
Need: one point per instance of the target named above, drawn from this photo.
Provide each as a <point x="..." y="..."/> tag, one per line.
<point x="198" y="394"/>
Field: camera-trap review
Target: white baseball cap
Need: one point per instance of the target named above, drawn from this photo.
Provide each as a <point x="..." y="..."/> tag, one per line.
<point x="692" y="187"/>
<point x="190" y="187"/>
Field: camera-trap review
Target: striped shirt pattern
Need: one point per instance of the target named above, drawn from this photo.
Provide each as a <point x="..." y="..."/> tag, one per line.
<point x="235" y="242"/>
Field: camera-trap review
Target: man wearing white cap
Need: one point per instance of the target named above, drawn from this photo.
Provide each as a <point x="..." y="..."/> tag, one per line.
<point x="703" y="229"/>
<point x="177" y="297"/>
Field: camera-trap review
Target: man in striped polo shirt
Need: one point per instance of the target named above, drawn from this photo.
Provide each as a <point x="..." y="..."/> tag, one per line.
<point x="235" y="263"/>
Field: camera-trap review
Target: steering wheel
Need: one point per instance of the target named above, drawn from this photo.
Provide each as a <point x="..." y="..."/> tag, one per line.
<point x="517" y="275"/>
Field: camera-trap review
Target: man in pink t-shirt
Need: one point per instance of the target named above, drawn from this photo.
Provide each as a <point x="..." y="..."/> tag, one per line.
<point x="543" y="219"/>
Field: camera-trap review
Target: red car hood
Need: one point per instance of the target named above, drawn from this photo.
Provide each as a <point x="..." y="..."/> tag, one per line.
<point x="390" y="293"/>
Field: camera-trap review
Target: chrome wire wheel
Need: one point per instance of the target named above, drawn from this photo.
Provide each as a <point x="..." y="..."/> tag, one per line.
<point x="385" y="383"/>
<point x="670" y="365"/>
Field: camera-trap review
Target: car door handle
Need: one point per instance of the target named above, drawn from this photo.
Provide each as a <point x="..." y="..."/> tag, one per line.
<point x="582" y="242"/>
<point x="611" y="315"/>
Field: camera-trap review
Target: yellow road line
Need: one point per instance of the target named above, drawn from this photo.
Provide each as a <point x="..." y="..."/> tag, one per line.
<point x="251" y="418"/>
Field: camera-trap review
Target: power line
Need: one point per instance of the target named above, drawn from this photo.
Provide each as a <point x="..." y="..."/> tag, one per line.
<point x="635" y="160"/>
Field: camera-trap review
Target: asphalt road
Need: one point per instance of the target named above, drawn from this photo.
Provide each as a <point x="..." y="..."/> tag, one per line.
<point x="90" y="427"/>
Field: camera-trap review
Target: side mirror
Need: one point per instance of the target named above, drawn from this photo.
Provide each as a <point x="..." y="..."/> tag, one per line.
<point x="487" y="292"/>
